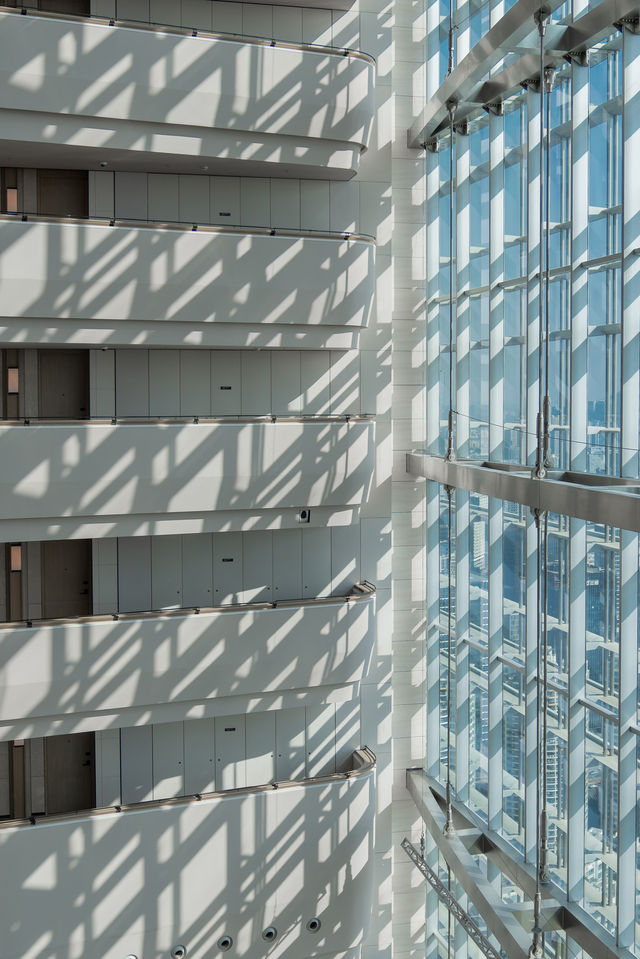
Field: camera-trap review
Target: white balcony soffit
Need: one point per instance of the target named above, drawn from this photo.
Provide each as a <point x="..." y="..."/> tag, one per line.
<point x="54" y="678"/>
<point x="168" y="99"/>
<point x="139" y="879"/>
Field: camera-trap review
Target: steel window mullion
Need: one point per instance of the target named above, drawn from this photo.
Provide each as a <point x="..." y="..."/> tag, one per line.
<point x="494" y="691"/>
<point x="462" y="397"/>
<point x="630" y="372"/>
<point x="628" y="698"/>
<point x="463" y="309"/>
<point x="432" y="163"/>
<point x="577" y="688"/>
<point x="579" y="276"/>
<point x="496" y="434"/>
<point x="433" y="720"/>
<point x="496" y="296"/>
<point x="433" y="48"/>
<point x="461" y="698"/>
<point x="533" y="268"/>
<point x="531" y="732"/>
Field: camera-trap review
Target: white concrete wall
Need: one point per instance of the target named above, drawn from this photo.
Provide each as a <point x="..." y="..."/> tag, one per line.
<point x="142" y="382"/>
<point x="89" y="271"/>
<point x="60" y="675"/>
<point x="297" y="24"/>
<point x="139" y="882"/>
<point x="142" y="763"/>
<point x="93" y="469"/>
<point x="160" y="572"/>
<point x="290" y="203"/>
<point x="206" y="87"/>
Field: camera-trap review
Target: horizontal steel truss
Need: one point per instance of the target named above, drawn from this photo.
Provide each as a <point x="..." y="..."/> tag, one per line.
<point x="450" y="901"/>
<point x="469" y="85"/>
<point x="511" y="925"/>
<point x="600" y="499"/>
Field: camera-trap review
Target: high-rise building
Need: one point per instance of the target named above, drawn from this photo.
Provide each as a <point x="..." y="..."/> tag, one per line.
<point x="319" y="517"/>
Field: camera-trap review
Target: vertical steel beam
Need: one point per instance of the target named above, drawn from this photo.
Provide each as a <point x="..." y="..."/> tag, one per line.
<point x="628" y="699"/>
<point x="463" y="308"/>
<point x="630" y="411"/>
<point x="531" y="693"/>
<point x="494" y="692"/>
<point x="579" y="276"/>
<point x="496" y="441"/>
<point x="577" y="678"/>
<point x="463" y="320"/>
<point x="496" y="294"/>
<point x="461" y="631"/>
<point x="533" y="266"/>
<point x="433" y="48"/>
<point x="432" y="167"/>
<point x="432" y="669"/>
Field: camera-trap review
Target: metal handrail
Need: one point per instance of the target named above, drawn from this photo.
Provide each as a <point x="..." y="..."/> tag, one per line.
<point x="189" y="420"/>
<point x="363" y="760"/>
<point x="361" y="592"/>
<point x="174" y="30"/>
<point x="184" y="226"/>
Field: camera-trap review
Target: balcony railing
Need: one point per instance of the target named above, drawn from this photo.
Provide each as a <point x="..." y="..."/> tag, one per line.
<point x="118" y="275"/>
<point x="54" y="677"/>
<point x="66" y="472"/>
<point x="209" y="872"/>
<point x="200" y="98"/>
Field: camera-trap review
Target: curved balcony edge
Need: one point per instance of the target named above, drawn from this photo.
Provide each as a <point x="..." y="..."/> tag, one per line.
<point x="181" y="31"/>
<point x="206" y="101"/>
<point x="95" y="884"/>
<point x="364" y="764"/>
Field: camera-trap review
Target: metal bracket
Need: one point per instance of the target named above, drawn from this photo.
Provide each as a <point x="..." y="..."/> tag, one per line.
<point x="631" y="23"/>
<point x="532" y="83"/>
<point x="549" y="78"/>
<point x="433" y="146"/>
<point x="462" y="128"/>
<point x="496" y="108"/>
<point x="579" y="58"/>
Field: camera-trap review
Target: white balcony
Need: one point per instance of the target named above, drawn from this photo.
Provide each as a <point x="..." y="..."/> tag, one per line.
<point x="146" y="98"/>
<point x="78" y="278"/>
<point x="92" y="673"/>
<point x="139" y="881"/>
<point x="60" y="480"/>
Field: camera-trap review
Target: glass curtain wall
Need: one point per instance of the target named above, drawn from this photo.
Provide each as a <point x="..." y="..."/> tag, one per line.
<point x="485" y="603"/>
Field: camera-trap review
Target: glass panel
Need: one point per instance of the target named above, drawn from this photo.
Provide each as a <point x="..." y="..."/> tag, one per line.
<point x="603" y="373"/>
<point x="478" y="732"/>
<point x="514" y="581"/>
<point x="557" y="784"/>
<point x="479" y="205"/>
<point x="447" y="701"/>
<point x="556" y="565"/>
<point x="638" y="846"/>
<point x="601" y="819"/>
<point x="603" y="615"/>
<point x="479" y="377"/>
<point x="513" y="769"/>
